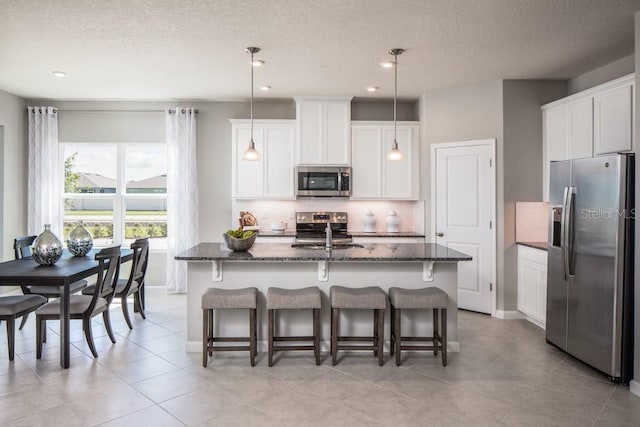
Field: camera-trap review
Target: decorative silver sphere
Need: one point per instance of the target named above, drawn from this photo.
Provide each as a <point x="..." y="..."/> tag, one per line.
<point x="47" y="248"/>
<point x="80" y="240"/>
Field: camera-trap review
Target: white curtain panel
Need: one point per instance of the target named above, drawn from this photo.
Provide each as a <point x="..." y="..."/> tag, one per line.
<point x="182" y="193"/>
<point x="44" y="180"/>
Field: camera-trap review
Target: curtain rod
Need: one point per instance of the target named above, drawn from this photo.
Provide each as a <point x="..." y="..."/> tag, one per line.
<point x="171" y="111"/>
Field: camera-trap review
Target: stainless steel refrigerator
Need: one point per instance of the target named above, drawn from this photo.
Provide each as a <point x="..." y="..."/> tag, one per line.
<point x="590" y="269"/>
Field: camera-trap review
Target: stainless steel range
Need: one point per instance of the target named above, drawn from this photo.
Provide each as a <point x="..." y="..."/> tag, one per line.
<point x="311" y="227"/>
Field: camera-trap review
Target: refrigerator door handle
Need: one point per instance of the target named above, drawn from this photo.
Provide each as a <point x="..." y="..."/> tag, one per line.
<point x="567" y="232"/>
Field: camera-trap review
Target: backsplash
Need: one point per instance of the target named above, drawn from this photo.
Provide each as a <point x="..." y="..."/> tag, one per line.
<point x="532" y="221"/>
<point x="411" y="213"/>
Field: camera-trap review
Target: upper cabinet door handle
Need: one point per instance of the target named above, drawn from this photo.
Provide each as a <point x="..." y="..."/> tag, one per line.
<point x="439" y="234"/>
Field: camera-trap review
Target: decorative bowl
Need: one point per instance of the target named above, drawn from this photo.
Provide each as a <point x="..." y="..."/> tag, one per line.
<point x="239" y="245"/>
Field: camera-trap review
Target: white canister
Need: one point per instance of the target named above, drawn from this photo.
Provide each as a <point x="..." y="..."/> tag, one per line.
<point x="369" y="222"/>
<point x="393" y="222"/>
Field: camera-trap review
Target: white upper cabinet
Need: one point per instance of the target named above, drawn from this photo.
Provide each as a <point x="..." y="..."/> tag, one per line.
<point x="323" y="131"/>
<point x="556" y="126"/>
<point x="374" y="178"/>
<point x="580" y="129"/>
<point x="271" y="177"/>
<point x="613" y="129"/>
<point x="592" y="122"/>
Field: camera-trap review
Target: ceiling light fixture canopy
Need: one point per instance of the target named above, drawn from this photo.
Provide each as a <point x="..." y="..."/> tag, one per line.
<point x="251" y="153"/>
<point x="395" y="155"/>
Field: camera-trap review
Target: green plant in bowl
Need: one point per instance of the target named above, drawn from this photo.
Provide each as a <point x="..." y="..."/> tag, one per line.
<point x="239" y="240"/>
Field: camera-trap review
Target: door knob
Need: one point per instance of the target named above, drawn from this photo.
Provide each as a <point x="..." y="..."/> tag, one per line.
<point x="440" y="234"/>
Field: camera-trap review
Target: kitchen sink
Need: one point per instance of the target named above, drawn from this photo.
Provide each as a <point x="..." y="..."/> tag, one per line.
<point x="318" y="246"/>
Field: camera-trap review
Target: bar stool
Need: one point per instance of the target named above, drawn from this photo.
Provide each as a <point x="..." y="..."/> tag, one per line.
<point x="369" y="298"/>
<point x="294" y="299"/>
<point x="419" y="299"/>
<point x="222" y="299"/>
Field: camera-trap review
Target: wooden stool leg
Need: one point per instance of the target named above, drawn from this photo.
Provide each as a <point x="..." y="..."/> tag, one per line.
<point x="316" y="334"/>
<point x="375" y="332"/>
<point x="205" y="337"/>
<point x="211" y="334"/>
<point x="435" y="332"/>
<point x="252" y="336"/>
<point x="392" y="320"/>
<point x="271" y="320"/>
<point x="334" y="336"/>
<point x="398" y="328"/>
<point x="380" y="337"/>
<point x="443" y="312"/>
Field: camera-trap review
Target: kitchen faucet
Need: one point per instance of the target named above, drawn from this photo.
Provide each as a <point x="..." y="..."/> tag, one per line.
<point x="329" y="236"/>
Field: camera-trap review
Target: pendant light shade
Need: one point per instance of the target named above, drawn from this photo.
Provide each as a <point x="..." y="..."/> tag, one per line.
<point x="395" y="155"/>
<point x="251" y="153"/>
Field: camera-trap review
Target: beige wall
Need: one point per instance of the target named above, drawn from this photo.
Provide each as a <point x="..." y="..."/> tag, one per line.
<point x="508" y="111"/>
<point x="522" y="164"/>
<point x="461" y="114"/>
<point x="613" y="70"/>
<point x="13" y="120"/>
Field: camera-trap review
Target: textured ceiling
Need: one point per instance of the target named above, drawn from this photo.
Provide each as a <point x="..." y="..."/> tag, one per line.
<point x="194" y="49"/>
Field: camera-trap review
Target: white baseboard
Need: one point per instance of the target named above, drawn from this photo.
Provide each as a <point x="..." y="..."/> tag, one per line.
<point x="509" y="314"/>
<point x="634" y="387"/>
<point x="196" y="346"/>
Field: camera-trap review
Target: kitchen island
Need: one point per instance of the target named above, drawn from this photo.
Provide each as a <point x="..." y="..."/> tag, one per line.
<point x="408" y="265"/>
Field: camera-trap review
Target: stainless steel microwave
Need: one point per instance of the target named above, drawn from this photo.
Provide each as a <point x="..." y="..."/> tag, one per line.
<point x="323" y="181"/>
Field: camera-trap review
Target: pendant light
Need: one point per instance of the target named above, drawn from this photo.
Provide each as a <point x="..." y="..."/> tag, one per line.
<point x="251" y="153"/>
<point x="395" y="155"/>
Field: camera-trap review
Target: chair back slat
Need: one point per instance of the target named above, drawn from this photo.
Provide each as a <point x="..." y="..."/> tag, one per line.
<point x="140" y="248"/>
<point x="22" y="246"/>
<point x="108" y="270"/>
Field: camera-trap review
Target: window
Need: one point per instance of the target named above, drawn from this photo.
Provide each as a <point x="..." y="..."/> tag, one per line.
<point x="118" y="190"/>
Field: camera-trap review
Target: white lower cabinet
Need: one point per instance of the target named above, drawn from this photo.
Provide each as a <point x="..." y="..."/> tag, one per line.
<point x="273" y="176"/>
<point x="532" y="284"/>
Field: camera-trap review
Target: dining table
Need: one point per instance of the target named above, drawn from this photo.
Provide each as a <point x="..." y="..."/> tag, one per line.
<point x="63" y="273"/>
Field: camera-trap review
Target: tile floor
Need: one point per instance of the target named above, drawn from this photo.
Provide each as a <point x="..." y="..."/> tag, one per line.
<point x="505" y="375"/>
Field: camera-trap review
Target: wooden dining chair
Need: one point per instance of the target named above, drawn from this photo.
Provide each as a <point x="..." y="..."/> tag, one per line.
<point x="134" y="284"/>
<point x="22" y="249"/>
<point x="85" y="307"/>
<point x="14" y="306"/>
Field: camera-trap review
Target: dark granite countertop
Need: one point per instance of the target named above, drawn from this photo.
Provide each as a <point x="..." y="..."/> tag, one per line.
<point x="397" y="252"/>
<point x="385" y="234"/>
<point x="292" y="233"/>
<point x="535" y="245"/>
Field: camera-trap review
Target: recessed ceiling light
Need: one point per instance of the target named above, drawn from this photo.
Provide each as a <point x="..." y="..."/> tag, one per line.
<point x="372" y="88"/>
<point x="59" y="73"/>
<point x="387" y="64"/>
<point x="257" y="63"/>
<point x="265" y="88"/>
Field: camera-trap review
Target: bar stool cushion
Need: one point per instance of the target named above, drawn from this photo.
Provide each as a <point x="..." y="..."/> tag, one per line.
<point x="418" y="298"/>
<point x="216" y="298"/>
<point x="372" y="297"/>
<point x="15" y="304"/>
<point x="305" y="298"/>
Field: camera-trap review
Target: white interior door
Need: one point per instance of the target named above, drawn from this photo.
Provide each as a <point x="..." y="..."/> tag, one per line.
<point x="463" y="201"/>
